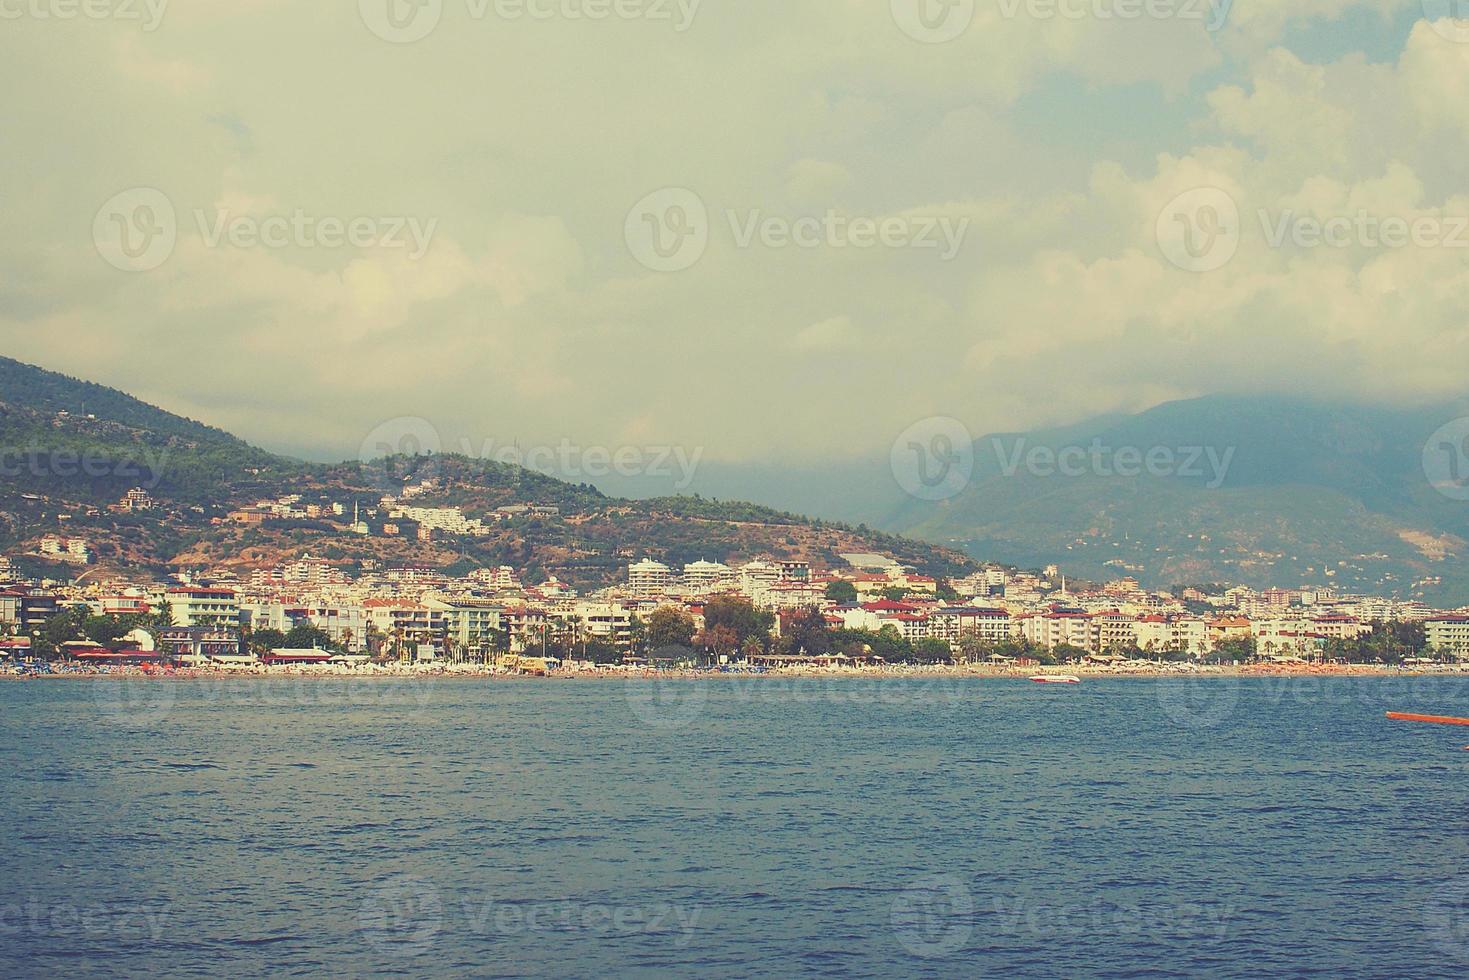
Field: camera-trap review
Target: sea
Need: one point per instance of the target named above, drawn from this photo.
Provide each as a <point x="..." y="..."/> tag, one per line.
<point x="734" y="827"/>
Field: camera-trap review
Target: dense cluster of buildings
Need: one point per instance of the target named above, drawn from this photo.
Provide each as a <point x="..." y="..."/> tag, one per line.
<point x="419" y="612"/>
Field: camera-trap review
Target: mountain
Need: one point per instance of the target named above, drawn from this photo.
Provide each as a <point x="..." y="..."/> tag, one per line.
<point x="70" y="450"/>
<point x="1250" y="490"/>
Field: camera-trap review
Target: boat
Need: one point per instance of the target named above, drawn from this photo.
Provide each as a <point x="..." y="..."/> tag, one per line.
<point x="1056" y="679"/>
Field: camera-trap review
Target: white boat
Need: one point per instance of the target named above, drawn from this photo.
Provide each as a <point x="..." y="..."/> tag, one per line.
<point x="1056" y="679"/>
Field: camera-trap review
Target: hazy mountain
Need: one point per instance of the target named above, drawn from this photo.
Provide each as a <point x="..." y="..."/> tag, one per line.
<point x="1250" y="490"/>
<point x="69" y="449"/>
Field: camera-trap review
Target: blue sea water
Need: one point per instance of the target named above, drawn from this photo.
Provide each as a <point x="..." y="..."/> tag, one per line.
<point x="733" y="828"/>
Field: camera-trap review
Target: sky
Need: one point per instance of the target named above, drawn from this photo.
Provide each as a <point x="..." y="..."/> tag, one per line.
<point x="756" y="229"/>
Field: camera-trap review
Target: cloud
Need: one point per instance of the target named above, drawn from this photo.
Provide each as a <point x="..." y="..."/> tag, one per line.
<point x="525" y="143"/>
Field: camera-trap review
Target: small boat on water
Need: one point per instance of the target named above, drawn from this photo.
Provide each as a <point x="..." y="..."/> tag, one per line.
<point x="1056" y="679"/>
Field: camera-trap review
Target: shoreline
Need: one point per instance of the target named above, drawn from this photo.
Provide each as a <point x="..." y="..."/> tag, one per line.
<point x="466" y="673"/>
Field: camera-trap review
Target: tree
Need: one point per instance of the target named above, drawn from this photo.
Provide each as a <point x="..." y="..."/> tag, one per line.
<point x="266" y="640"/>
<point x="805" y="632"/>
<point x="670" y="627"/>
<point x="841" y="592"/>
<point x="973" y="648"/>
<point x="891" y="645"/>
<point x="1066" y="653"/>
<point x="308" y="637"/>
<point x="740" y="617"/>
<point x="932" y="651"/>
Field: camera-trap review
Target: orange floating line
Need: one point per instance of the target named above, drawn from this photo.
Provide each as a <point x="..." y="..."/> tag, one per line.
<point x="1427" y="719"/>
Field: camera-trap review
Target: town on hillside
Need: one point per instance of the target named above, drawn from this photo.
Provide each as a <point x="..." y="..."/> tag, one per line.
<point x="769" y="613"/>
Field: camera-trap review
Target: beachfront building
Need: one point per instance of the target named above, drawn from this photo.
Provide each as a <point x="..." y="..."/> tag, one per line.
<point x="209" y="607"/>
<point x="1164" y="634"/>
<point x="1057" y="627"/>
<point x="1448" y="635"/>
<point x="23" y="609"/>
<point x="1112" y="632"/>
<point x="471" y="627"/>
<point x="196" y="644"/>
<point x="953" y="623"/>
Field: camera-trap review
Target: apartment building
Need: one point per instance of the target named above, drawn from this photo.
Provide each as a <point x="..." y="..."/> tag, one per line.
<point x="649" y="578"/>
<point x="1448" y="634"/>
<point x="197" y="606"/>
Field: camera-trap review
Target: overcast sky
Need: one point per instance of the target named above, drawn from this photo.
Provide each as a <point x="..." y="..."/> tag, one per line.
<point x="1033" y="212"/>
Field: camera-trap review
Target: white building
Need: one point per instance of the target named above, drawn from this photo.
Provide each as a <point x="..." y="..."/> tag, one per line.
<point x="216" y="608"/>
<point x="1448" y="634"/>
<point x="649" y="577"/>
<point x="705" y="576"/>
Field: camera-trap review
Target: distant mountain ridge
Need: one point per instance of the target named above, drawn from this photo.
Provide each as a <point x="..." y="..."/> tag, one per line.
<point x="71" y="449"/>
<point x="1312" y="492"/>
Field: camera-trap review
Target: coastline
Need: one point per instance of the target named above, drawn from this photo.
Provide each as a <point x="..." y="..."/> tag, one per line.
<point x="468" y="673"/>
